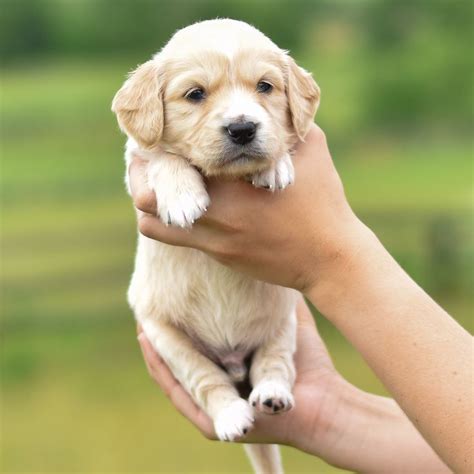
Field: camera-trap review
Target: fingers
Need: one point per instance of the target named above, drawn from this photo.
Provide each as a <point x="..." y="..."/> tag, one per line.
<point x="162" y="375"/>
<point x="143" y="197"/>
<point x="153" y="228"/>
<point x="154" y="363"/>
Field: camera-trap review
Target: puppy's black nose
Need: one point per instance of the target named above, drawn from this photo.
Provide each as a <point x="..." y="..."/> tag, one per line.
<point x="242" y="133"/>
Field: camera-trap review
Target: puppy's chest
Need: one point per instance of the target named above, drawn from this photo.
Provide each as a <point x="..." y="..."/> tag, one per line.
<point x="223" y="324"/>
<point x="221" y="310"/>
<point x="230" y="312"/>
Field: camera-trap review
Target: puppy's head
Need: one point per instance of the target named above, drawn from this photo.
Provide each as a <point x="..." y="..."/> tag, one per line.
<point x="221" y="94"/>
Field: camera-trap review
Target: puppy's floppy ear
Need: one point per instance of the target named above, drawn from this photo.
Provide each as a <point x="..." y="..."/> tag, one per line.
<point x="303" y="97"/>
<point x="139" y="105"/>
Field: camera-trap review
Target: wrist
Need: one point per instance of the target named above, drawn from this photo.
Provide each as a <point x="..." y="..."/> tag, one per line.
<point x="317" y="431"/>
<point x="370" y="433"/>
<point x="344" y="417"/>
<point x="344" y="267"/>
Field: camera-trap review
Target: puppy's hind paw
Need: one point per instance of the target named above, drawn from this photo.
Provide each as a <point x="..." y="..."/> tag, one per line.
<point x="271" y="398"/>
<point x="279" y="176"/>
<point x="234" y="421"/>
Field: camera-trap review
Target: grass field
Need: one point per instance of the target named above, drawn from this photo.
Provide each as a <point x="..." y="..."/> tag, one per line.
<point x="75" y="396"/>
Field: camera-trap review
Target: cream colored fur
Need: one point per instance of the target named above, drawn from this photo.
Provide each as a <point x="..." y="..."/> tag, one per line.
<point x="202" y="317"/>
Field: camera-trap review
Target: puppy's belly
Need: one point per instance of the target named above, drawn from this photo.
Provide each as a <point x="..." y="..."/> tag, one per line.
<point x="224" y="311"/>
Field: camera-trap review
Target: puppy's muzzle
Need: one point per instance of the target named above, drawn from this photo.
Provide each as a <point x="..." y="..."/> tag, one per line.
<point x="242" y="133"/>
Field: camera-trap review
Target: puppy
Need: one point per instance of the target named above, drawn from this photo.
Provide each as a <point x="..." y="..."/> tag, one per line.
<point x="220" y="99"/>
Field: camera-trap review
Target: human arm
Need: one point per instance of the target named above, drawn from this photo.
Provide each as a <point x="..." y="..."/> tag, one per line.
<point x="421" y="354"/>
<point x="332" y="419"/>
<point x="308" y="238"/>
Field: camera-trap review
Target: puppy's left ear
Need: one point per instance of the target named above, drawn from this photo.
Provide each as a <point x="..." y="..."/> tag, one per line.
<point x="303" y="97"/>
<point x="139" y="106"/>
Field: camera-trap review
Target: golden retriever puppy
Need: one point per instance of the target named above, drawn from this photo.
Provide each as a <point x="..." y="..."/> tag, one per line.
<point x="220" y="99"/>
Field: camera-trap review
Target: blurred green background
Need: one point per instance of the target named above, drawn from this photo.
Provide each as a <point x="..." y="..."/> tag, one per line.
<point x="396" y="80"/>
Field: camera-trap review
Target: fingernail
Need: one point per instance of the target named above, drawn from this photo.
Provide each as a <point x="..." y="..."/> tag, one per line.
<point x="141" y="337"/>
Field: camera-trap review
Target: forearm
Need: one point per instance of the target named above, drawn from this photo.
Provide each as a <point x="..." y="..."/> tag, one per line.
<point x="419" y="352"/>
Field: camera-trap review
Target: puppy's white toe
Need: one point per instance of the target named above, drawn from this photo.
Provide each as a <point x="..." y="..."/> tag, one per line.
<point x="265" y="179"/>
<point x="271" y="397"/>
<point x="279" y="176"/>
<point x="234" y="421"/>
<point x="182" y="208"/>
<point x="284" y="173"/>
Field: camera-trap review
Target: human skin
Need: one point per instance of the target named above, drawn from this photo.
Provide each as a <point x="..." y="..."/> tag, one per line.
<point x="308" y="238"/>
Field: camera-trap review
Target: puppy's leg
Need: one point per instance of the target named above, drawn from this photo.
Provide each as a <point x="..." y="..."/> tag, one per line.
<point x="180" y="192"/>
<point x="272" y="373"/>
<point x="209" y="385"/>
<point x="278" y="176"/>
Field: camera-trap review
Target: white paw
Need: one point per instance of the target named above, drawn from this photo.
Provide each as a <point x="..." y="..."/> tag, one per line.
<point x="181" y="207"/>
<point x="271" y="397"/>
<point x="279" y="176"/>
<point x="234" y="421"/>
<point x="181" y="195"/>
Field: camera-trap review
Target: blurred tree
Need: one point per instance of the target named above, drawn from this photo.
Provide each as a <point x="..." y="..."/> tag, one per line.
<point x="412" y="61"/>
<point x="421" y="68"/>
<point x="25" y="29"/>
<point x="84" y="27"/>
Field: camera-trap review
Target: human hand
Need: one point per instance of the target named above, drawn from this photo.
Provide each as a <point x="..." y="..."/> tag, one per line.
<point x="293" y="238"/>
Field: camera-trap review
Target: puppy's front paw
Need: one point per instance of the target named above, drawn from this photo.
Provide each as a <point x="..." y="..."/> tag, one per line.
<point x="181" y="207"/>
<point x="181" y="195"/>
<point x="279" y="176"/>
<point x="271" y="397"/>
<point x="234" y="421"/>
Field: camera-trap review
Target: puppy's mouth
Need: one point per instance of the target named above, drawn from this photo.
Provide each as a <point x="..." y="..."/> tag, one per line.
<point x="241" y="156"/>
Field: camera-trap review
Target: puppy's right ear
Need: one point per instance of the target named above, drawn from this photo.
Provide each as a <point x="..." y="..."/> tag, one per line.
<point x="139" y="105"/>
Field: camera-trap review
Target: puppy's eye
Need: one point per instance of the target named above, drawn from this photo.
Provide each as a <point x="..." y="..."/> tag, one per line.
<point x="195" y="95"/>
<point x="264" y="87"/>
